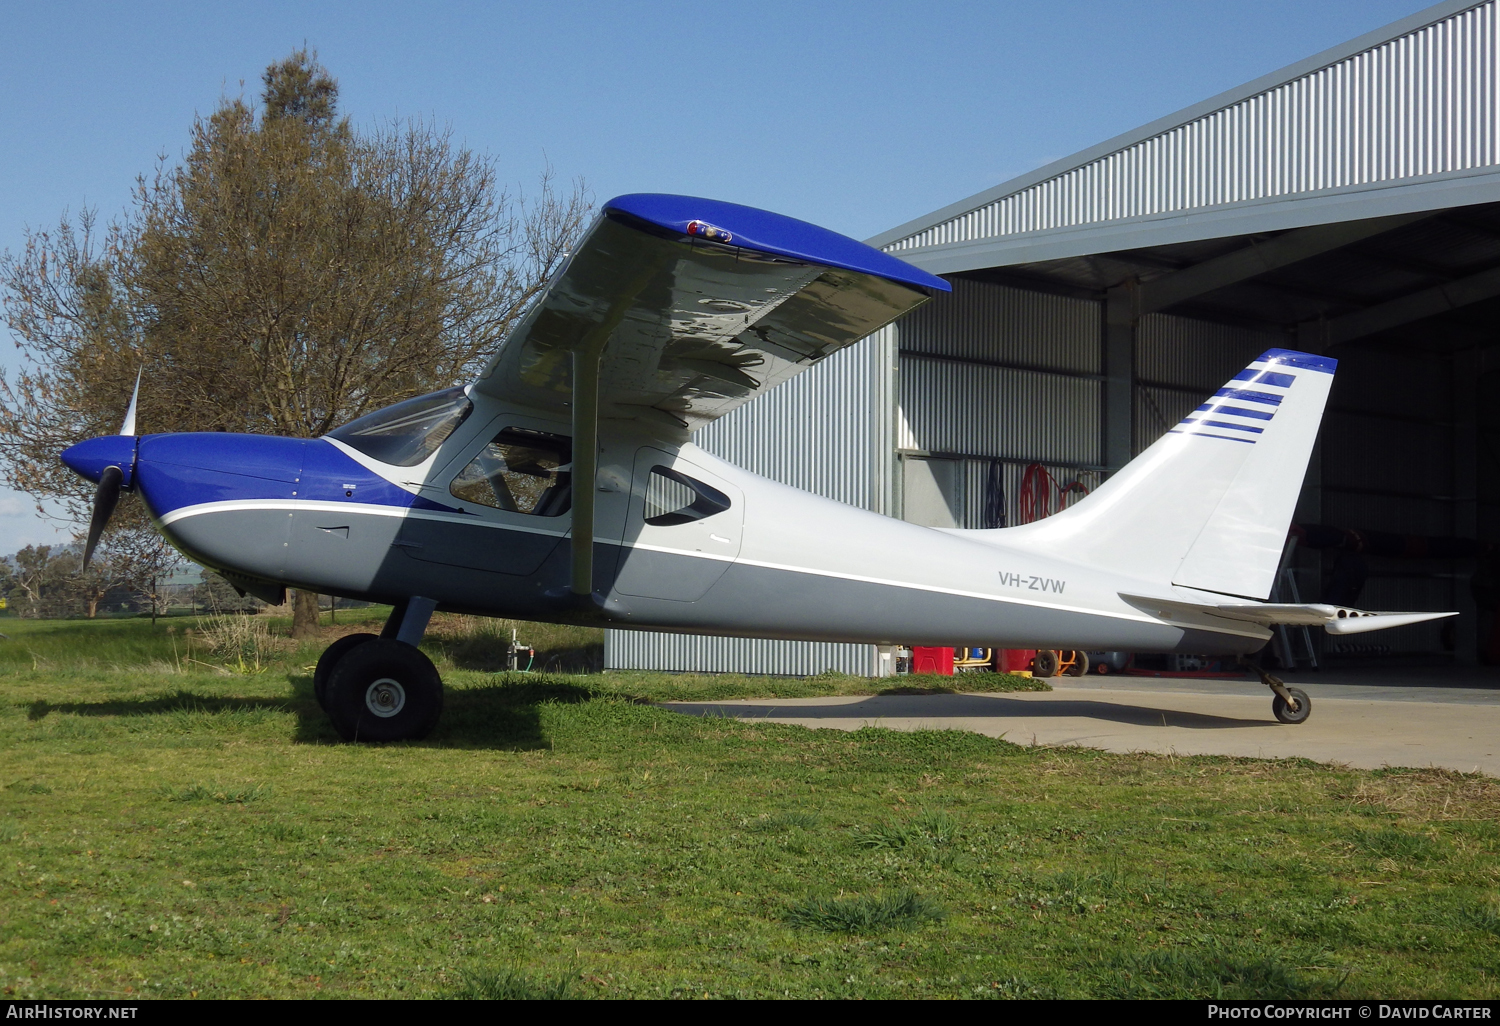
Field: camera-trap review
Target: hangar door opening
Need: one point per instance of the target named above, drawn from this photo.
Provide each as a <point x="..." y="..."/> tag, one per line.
<point x="1401" y="504"/>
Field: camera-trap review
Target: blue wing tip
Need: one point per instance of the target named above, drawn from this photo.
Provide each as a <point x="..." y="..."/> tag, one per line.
<point x="1293" y="358"/>
<point x="767" y="232"/>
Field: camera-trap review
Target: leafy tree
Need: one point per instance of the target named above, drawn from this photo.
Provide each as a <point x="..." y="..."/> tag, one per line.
<point x="7" y="582"/>
<point x="291" y="273"/>
<point x="48" y="580"/>
<point x="30" y="576"/>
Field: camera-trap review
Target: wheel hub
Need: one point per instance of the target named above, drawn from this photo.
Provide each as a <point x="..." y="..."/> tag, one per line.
<point x="385" y="697"/>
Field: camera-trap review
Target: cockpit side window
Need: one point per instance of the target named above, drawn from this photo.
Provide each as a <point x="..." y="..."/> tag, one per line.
<point x="673" y="498"/>
<point x="520" y="471"/>
<point x="407" y="433"/>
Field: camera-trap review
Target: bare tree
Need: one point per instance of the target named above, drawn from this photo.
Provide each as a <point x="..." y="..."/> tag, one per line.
<point x="291" y="273"/>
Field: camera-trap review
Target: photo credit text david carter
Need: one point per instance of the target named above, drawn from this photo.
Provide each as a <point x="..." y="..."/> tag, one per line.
<point x="1354" y="1010"/>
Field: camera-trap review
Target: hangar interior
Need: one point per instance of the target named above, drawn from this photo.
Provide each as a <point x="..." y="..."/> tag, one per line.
<point x="1348" y="205"/>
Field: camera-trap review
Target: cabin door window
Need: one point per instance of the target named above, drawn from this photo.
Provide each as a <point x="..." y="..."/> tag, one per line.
<point x="682" y="531"/>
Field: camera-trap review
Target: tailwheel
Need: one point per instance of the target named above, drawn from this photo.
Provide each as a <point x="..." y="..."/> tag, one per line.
<point x="1283" y="709"/>
<point x="384" y="690"/>
<point x="1291" y="705"/>
<point x="330" y="657"/>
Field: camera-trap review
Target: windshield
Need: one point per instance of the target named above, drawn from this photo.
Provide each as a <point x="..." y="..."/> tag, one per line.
<point x="407" y="433"/>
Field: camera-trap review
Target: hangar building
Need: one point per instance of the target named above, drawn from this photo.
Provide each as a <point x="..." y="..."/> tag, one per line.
<point x="1348" y="204"/>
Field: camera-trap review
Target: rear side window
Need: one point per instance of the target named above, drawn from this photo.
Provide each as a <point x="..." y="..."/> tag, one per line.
<point x="673" y="498"/>
<point x="407" y="433"/>
<point x="520" y="471"/>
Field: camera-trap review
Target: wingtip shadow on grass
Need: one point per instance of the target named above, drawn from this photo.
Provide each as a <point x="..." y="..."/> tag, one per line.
<point x="504" y="714"/>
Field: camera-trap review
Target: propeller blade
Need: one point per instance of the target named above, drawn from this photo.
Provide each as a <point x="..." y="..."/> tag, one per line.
<point x="128" y="428"/>
<point x="106" y="497"/>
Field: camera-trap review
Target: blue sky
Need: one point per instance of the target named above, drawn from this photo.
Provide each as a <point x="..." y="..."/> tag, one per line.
<point x="857" y="116"/>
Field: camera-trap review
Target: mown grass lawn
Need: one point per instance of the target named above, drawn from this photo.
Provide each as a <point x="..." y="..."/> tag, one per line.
<point x="171" y="828"/>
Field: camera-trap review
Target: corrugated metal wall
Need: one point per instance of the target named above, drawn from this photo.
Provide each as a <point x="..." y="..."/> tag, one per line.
<point x="1179" y="362"/>
<point x="828" y="431"/>
<point x="821" y="431"/>
<point x="1422" y="104"/>
<point x="992" y="373"/>
<point x="976" y="488"/>
<point x="1008" y="326"/>
<point x="687" y="653"/>
<point x="1027" y="415"/>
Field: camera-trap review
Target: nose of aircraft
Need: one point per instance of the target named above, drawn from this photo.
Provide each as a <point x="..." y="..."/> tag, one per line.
<point x="88" y="459"/>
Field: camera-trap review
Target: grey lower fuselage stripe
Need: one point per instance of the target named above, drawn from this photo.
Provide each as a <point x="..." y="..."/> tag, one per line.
<point x="742" y="619"/>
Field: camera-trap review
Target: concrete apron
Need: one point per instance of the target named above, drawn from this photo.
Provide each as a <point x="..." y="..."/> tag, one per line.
<point x="1359" y="732"/>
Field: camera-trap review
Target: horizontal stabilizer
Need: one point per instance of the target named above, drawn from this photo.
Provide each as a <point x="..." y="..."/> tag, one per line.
<point x="1379" y="621"/>
<point x="1333" y="619"/>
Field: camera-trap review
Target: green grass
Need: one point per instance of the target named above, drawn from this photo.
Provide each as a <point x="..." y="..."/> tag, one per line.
<point x="511" y="985"/>
<point x="871" y="914"/>
<point x="181" y="823"/>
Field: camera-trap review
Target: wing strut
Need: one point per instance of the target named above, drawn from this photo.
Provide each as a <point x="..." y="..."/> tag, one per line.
<point x="586" y="357"/>
<point x="585" y="463"/>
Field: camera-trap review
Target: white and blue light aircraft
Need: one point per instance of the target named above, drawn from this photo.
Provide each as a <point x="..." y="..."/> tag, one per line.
<point x="563" y="485"/>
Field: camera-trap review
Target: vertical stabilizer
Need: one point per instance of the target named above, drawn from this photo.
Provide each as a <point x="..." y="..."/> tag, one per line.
<point x="1208" y="505"/>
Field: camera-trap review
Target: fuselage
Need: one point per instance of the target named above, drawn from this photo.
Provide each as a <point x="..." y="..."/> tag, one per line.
<point x="683" y="541"/>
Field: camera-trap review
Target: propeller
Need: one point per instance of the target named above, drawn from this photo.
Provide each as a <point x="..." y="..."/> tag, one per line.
<point x="106" y="498"/>
<point x="111" y="482"/>
<point x="128" y="428"/>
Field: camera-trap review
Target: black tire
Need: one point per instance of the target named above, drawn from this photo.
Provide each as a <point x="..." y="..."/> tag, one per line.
<point x="1045" y="663"/>
<point x="331" y="655"/>
<point x="384" y="690"/>
<point x="1079" y="667"/>
<point x="1285" y="713"/>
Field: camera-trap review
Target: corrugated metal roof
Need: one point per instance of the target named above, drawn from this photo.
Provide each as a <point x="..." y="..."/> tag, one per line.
<point x="1400" y="120"/>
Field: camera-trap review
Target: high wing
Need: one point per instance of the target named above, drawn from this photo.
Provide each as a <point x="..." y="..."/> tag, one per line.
<point x="689" y="307"/>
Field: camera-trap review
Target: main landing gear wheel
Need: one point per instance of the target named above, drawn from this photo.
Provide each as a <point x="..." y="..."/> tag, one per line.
<point x="384" y="690"/>
<point x="1283" y="709"/>
<point x="331" y="655"/>
<point x="1045" y="663"/>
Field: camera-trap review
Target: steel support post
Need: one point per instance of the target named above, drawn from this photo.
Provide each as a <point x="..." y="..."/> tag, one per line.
<point x="585" y="466"/>
<point x="1466" y="370"/>
<point x="1118" y="422"/>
